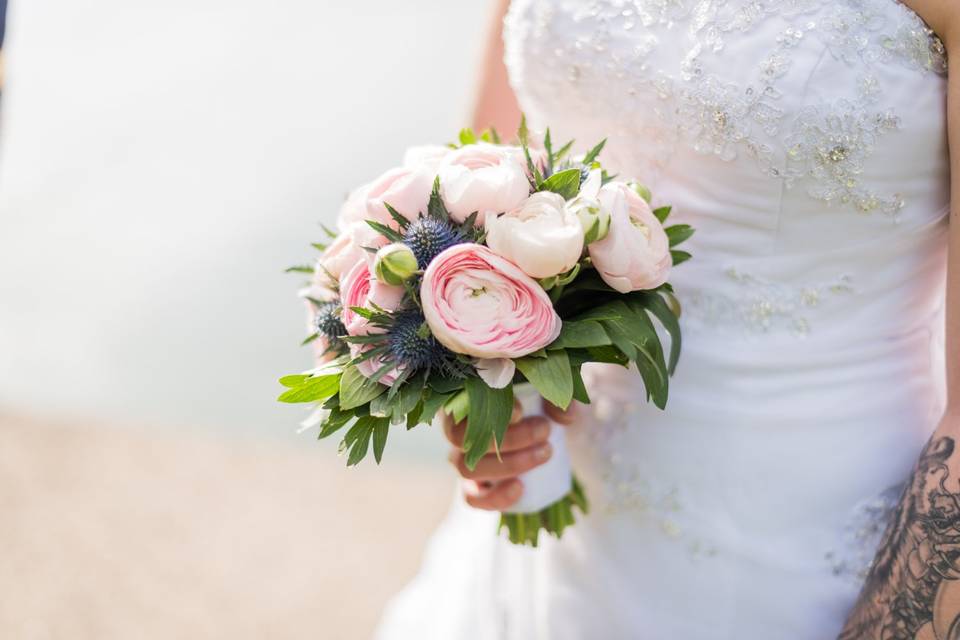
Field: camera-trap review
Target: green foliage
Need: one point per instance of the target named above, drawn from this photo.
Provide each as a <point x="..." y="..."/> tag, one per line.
<point x="594" y="152"/>
<point x="566" y="183"/>
<point x="551" y="376"/>
<point x="662" y="213"/>
<point x="525" y="528"/>
<point x="487" y="418"/>
<point x="356" y="390"/>
<point x="385" y="231"/>
<point x="309" y="388"/>
<point x="299" y="268"/>
<point x="678" y="233"/>
<point x="679" y="257"/>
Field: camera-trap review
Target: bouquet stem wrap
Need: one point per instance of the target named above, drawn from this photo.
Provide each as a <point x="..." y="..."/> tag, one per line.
<point x="551" y="491"/>
<point x="552" y="480"/>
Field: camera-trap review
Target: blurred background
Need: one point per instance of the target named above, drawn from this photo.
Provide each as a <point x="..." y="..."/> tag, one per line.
<point x="161" y="163"/>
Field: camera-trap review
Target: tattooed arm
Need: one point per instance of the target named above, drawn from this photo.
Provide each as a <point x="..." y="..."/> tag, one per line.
<point x="913" y="589"/>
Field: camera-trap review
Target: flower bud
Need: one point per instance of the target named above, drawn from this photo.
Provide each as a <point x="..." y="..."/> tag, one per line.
<point x="642" y="191"/>
<point x="395" y="263"/>
<point x="593" y="218"/>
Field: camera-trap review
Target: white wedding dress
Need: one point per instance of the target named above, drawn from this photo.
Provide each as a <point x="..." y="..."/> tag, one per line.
<point x="806" y="141"/>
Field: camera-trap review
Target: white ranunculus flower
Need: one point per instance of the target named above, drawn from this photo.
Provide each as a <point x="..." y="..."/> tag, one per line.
<point x="483" y="177"/>
<point x="541" y="236"/>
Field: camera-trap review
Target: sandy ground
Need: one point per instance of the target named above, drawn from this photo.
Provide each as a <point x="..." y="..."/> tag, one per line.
<point x="112" y="534"/>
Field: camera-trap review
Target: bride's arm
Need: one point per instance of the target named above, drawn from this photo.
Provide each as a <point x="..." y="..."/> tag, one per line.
<point x="913" y="588"/>
<point x="496" y="105"/>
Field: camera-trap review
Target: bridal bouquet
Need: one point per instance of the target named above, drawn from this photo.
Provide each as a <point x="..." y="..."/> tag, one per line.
<point x="478" y="273"/>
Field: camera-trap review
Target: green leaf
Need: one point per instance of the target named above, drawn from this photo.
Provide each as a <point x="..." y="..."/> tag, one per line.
<point x="566" y="183"/>
<point x="562" y="151"/>
<point x="488" y="417"/>
<point x="432" y="404"/>
<point x="319" y="246"/>
<point x="330" y="232"/>
<point x="312" y="389"/>
<point x="531" y="167"/>
<point x="357" y="439"/>
<point x="678" y="233"/>
<point x="435" y="207"/>
<point x="582" y="334"/>
<point x="356" y="390"/>
<point x="579" y="388"/>
<point x="299" y="268"/>
<point x="385" y="231"/>
<point x="593" y="153"/>
<point x="679" y="257"/>
<point x="310" y="338"/>
<point x="457" y="406"/>
<point x="551" y="376"/>
<point x="443" y="384"/>
<point x="662" y="213"/>
<point x="659" y="308"/>
<point x="334" y="422"/>
<point x="548" y="147"/>
<point x="494" y="135"/>
<point x="408" y="397"/>
<point x="381" y="429"/>
<point x="294" y="380"/>
<point x="397" y="216"/>
<point x="467" y="136"/>
<point x="523" y="133"/>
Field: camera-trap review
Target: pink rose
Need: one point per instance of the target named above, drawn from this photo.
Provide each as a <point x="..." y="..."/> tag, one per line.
<point x="476" y="303"/>
<point x="635" y="255"/>
<point x="338" y="258"/>
<point x="485" y="178"/>
<point x="359" y="288"/>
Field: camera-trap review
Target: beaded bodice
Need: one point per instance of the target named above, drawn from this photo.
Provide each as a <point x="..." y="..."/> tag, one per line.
<point x="805" y="139"/>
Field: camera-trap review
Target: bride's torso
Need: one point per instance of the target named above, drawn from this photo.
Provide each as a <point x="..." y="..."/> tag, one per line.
<point x="806" y="142"/>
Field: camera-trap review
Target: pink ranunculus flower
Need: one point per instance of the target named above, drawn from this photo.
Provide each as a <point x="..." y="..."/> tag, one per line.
<point x="353" y="209"/>
<point x="371" y="366"/>
<point x="483" y="177"/>
<point x="479" y="304"/>
<point x="338" y="258"/>
<point x="635" y="255"/>
<point x="359" y="288"/>
<point x="428" y="155"/>
<point x="406" y="189"/>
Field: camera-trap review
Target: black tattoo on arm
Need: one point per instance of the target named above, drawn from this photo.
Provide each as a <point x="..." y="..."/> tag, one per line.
<point x="912" y="591"/>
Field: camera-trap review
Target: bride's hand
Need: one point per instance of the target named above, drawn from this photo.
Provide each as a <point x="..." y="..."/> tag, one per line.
<point x="493" y="484"/>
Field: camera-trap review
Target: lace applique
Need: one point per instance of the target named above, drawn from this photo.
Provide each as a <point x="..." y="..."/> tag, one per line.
<point x="626" y="489"/>
<point x="825" y="145"/>
<point x="762" y="307"/>
<point x="830" y="144"/>
<point x="862" y="534"/>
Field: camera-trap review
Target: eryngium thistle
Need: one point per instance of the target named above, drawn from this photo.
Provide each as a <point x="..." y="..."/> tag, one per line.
<point x="413" y="347"/>
<point x="428" y="236"/>
<point x="328" y="321"/>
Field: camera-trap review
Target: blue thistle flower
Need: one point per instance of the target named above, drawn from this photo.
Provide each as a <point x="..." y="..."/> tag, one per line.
<point x="428" y="236"/>
<point x="413" y="347"/>
<point x="328" y="321"/>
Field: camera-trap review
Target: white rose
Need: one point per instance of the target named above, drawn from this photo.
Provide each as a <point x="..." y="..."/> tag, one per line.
<point x="541" y="236"/>
<point x="483" y="177"/>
